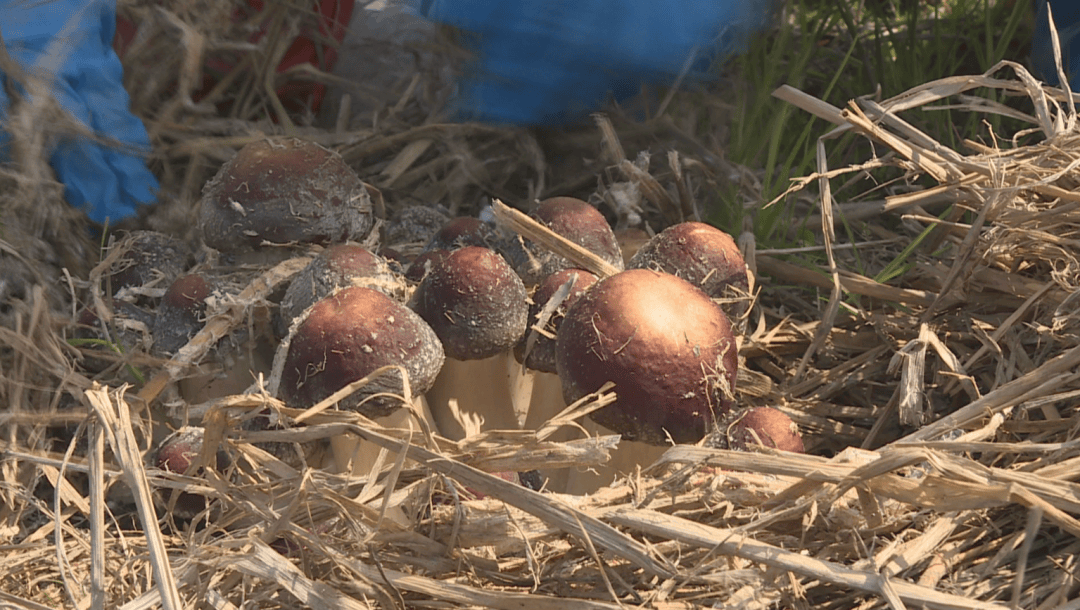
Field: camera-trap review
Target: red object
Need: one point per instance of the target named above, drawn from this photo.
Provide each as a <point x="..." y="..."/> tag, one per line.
<point x="308" y="47"/>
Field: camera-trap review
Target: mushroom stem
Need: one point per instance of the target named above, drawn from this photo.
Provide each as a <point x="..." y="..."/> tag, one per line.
<point x="546" y="401"/>
<point x="624" y="460"/>
<point x="357" y="457"/>
<point x="482" y="387"/>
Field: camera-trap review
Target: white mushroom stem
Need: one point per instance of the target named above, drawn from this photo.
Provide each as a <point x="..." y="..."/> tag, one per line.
<point x="625" y="459"/>
<point x="356" y="457"/>
<point x="545" y="402"/>
<point x="481" y="387"/>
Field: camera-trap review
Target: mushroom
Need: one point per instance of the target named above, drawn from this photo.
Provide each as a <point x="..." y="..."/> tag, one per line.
<point x="149" y="257"/>
<point x="667" y="347"/>
<point x="282" y="193"/>
<point x="177" y="453"/>
<point x="767" y="427"/>
<point x="702" y="255"/>
<point x="347" y="336"/>
<point x="478" y="307"/>
<point x="575" y="220"/>
<point x="336" y="267"/>
<point x="536" y="352"/>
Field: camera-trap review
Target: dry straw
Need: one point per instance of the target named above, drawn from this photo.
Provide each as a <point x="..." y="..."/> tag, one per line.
<point x="940" y="407"/>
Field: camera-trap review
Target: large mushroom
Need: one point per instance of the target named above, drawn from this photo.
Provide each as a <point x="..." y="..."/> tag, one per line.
<point x="667" y="347"/>
<point x="478" y="307"/>
<point x="284" y="192"/>
<point x="347" y="336"/>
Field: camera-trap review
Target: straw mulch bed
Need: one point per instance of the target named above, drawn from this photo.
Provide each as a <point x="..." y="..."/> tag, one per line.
<point x="939" y="408"/>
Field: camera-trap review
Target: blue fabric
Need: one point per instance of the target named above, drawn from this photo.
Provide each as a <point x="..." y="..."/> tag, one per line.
<point x="73" y="40"/>
<point x="553" y="61"/>
<point x="1067" y="21"/>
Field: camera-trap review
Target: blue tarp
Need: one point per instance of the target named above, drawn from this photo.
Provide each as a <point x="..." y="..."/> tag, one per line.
<point x="72" y="41"/>
<point x="553" y="61"/>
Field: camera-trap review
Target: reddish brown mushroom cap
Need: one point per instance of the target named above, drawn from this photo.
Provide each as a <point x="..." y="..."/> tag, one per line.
<point x="283" y="192"/>
<point x="181" y="312"/>
<point x="700" y="254"/>
<point x="347" y="336"/>
<point x="176" y="453"/>
<point x="765" y="426"/>
<point x="573" y="219"/>
<point x="422" y="264"/>
<point x="336" y="267"/>
<point x="475" y="303"/>
<point x="542" y="355"/>
<point x="667" y="347"/>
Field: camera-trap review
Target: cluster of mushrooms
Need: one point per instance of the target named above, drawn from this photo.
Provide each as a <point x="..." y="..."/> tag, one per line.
<point x="487" y="325"/>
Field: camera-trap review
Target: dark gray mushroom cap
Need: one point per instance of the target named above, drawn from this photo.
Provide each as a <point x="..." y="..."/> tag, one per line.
<point x="475" y="303"/>
<point x="667" y="347"/>
<point x="347" y="336"/>
<point x="181" y="313"/>
<point x="286" y="191"/>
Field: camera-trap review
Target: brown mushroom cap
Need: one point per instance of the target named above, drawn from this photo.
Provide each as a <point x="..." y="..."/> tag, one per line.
<point x="336" y="267"/>
<point x="667" y="347"/>
<point x="765" y="426"/>
<point x="347" y="336"/>
<point x="475" y="303"/>
<point x="176" y="453"/>
<point x="542" y="355"/>
<point x="461" y="232"/>
<point x="423" y="263"/>
<point x="700" y="254"/>
<point x="283" y="192"/>
<point x="573" y="219"/>
<point x="181" y="313"/>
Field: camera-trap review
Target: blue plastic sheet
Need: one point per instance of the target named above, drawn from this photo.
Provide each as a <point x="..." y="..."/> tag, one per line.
<point x="554" y="61"/>
<point x="72" y="40"/>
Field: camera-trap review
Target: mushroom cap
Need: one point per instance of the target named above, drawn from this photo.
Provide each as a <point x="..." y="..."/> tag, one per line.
<point x="542" y="355"/>
<point x="475" y="303"/>
<point x="460" y="232"/>
<point x="336" y="267"/>
<point x="573" y="219"/>
<point x="180" y="314"/>
<point x="415" y="224"/>
<point x="285" y="191"/>
<point x="176" y="453"/>
<point x="765" y="426"/>
<point x="150" y="255"/>
<point x="423" y="263"/>
<point x="667" y="347"/>
<point x="347" y="336"/>
<point x="700" y="254"/>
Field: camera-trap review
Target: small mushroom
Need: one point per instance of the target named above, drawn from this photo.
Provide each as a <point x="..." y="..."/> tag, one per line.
<point x="461" y="232"/>
<point x="767" y="427"/>
<point x="702" y="255"/>
<point x="336" y="267"/>
<point x="573" y="219"/>
<point x="149" y="257"/>
<point x="284" y="192"/>
<point x="667" y="347"/>
<point x="350" y="334"/>
<point x="176" y="454"/>
<point x="478" y="307"/>
<point x="181" y="313"/>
